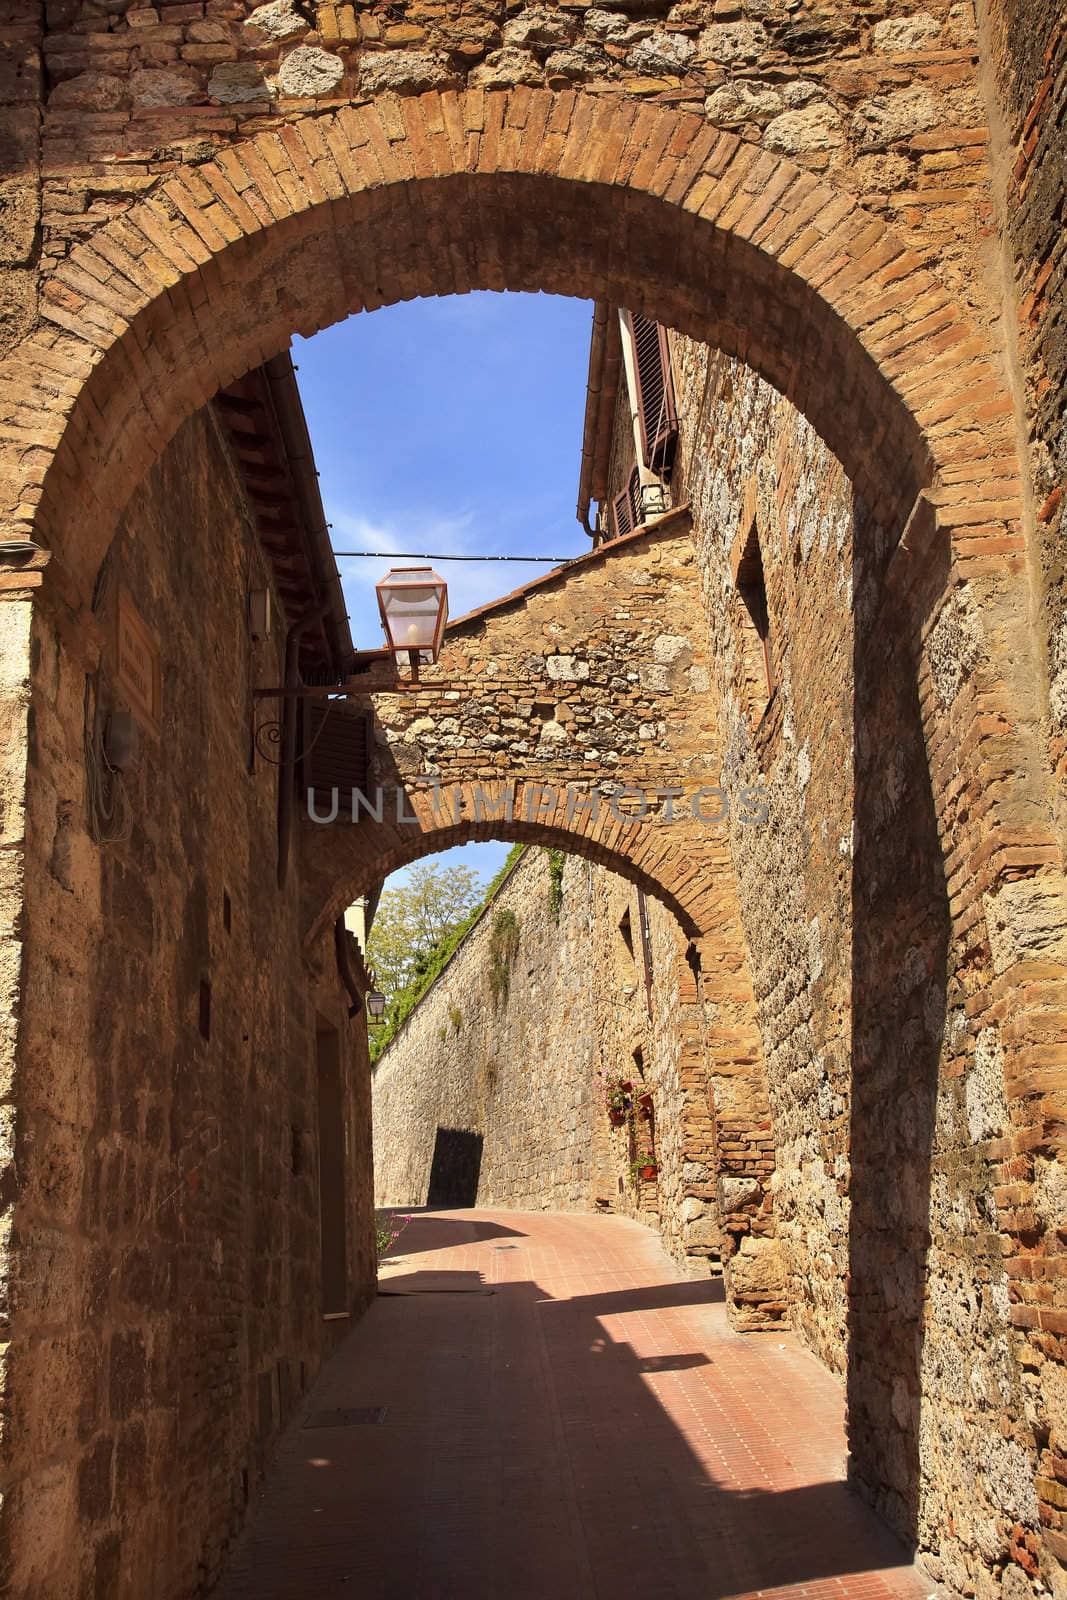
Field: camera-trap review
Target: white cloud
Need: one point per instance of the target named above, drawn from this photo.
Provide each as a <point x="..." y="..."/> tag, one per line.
<point x="470" y="585"/>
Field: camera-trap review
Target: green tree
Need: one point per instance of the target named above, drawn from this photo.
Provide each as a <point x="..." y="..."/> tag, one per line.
<point x="414" y="919"/>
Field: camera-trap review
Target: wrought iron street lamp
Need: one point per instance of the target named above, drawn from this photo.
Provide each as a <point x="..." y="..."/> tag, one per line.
<point x="413" y="602"/>
<point x="375" y="1005"/>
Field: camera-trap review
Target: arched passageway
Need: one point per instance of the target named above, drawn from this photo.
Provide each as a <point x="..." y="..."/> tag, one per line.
<point x="208" y="276"/>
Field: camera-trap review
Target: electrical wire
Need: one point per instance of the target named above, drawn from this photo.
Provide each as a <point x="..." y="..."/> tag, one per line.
<point x="411" y="555"/>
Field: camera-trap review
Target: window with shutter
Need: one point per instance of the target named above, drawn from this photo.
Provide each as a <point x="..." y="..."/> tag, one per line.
<point x="626" y="507"/>
<point x="656" y="412"/>
<point x="336" y="754"/>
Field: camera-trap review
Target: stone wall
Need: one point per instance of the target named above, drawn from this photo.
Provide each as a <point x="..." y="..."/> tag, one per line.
<point x="521" y="1069"/>
<point x="1026" y="50"/>
<point x="165" y="1305"/>
<point x="1027" y="53"/>
<point x="883" y="99"/>
<point x="883" y="1189"/>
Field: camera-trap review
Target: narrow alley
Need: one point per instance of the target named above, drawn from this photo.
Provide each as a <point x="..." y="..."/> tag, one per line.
<point x="540" y="1405"/>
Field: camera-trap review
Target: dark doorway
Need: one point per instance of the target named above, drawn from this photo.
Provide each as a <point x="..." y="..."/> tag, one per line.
<point x="456" y="1167"/>
<point x="332" y="1231"/>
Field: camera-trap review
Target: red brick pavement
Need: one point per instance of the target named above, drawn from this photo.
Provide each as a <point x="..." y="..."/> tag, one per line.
<point x="566" y="1416"/>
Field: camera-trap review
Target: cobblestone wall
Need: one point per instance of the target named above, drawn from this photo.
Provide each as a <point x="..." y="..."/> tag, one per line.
<point x="521" y="1070"/>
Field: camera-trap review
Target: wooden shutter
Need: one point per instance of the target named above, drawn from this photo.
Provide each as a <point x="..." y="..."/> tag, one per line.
<point x="656" y="411"/>
<point x="626" y="507"/>
<point x="336" y="754"/>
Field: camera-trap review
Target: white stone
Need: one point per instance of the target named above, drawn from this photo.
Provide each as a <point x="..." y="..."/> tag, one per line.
<point x="671" y="650"/>
<point x="582" y="60"/>
<point x="987" y="1110"/>
<point x="661" y="53"/>
<point x="741" y="101"/>
<point x="163" y="86"/>
<point x="955" y="645"/>
<point x="611" y="27"/>
<point x="235" y="81"/>
<point x="566" y="669"/>
<point x="898" y="35"/>
<point x="813" y="127"/>
<point x="278" y="20"/>
<point x="307" y="72"/>
<point x="506" y="67"/>
<point x="402" y="72"/>
<point x="1027" y="921"/>
<point x="730" y="43"/>
<point x="537" y="27"/>
<point x="888" y="118"/>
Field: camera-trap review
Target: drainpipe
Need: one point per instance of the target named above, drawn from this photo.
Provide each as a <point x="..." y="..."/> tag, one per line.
<point x="290" y="719"/>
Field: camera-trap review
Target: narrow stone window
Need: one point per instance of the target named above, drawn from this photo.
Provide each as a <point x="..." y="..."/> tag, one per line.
<point x="754" y="622"/>
<point x="227" y="911"/>
<point x="627" y="932"/>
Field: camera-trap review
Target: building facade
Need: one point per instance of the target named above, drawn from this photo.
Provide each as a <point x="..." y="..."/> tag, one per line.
<point x="851" y="217"/>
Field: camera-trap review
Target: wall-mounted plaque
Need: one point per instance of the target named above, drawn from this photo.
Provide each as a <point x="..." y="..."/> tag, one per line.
<point x="139" y="675"/>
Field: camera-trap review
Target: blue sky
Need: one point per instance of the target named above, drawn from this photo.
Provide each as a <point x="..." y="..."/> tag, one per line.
<point x="449" y="425"/>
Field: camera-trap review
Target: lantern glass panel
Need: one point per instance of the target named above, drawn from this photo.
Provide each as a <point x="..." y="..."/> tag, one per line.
<point x="414" y="607"/>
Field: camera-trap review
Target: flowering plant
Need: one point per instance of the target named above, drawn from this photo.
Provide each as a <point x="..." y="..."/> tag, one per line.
<point x="617" y="1093"/>
<point x="387" y="1230"/>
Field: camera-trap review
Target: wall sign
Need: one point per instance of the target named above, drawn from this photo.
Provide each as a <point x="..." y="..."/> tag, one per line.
<point x="139" y="674"/>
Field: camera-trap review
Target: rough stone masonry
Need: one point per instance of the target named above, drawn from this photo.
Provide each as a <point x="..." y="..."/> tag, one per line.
<point x="853" y="214"/>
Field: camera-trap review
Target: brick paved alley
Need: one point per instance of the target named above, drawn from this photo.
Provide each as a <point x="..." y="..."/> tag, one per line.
<point x="564" y="1415"/>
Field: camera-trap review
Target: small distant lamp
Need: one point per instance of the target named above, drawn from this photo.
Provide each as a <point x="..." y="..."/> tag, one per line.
<point x="375" y="1005"/>
<point x="413" y="602"/>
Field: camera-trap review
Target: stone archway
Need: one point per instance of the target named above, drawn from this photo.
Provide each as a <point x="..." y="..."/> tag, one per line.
<point x="290" y="231"/>
<point x="220" y="262"/>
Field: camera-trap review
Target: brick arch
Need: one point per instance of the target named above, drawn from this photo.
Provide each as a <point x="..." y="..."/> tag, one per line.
<point x="688" y="873"/>
<point x="354" y="208"/>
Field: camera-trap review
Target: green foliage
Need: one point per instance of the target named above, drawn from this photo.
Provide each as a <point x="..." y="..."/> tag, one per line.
<point x="429" y="967"/>
<point x="412" y="921"/>
<point x="556" y="861"/>
<point x="387" y="1230"/>
<point x="503" y="948"/>
<point x="455" y="1017"/>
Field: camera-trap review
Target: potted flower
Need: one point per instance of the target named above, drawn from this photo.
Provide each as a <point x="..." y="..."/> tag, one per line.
<point x="649" y="1171"/>
<point x="644" y="1168"/>
<point x="644" y="1105"/>
<point x="618" y="1099"/>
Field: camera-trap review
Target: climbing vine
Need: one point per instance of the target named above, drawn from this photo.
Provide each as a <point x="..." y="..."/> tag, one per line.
<point x="404" y="1000"/>
<point x="556" y="860"/>
<point x="503" y="948"/>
